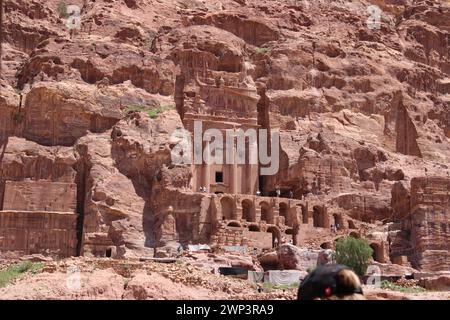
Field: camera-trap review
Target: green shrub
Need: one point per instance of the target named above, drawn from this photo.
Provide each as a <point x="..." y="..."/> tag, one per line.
<point x="12" y="272"/>
<point x="354" y="253"/>
<point x="62" y="10"/>
<point x="152" y="113"/>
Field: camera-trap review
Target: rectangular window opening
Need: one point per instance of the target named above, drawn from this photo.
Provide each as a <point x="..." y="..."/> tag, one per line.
<point x="219" y="177"/>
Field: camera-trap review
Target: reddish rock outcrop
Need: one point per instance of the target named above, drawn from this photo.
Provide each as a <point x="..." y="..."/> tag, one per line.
<point x="438" y="283"/>
<point x="363" y="115"/>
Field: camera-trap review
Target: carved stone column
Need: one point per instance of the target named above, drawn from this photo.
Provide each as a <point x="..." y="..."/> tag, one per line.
<point x="234" y="169"/>
<point x="207" y="168"/>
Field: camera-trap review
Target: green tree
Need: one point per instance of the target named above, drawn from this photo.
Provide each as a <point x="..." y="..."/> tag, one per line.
<point x="354" y="253"/>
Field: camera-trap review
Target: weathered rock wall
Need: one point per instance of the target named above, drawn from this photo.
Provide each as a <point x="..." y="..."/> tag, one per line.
<point x="430" y="222"/>
<point x="361" y="111"/>
<point x="40" y="196"/>
<point x="38" y="232"/>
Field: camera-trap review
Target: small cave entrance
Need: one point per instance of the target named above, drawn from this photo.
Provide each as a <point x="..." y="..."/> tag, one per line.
<point x="108" y="253"/>
<point x="377" y="254"/>
<point x="305" y="217"/>
<point x="248" y="211"/>
<point x="253" y="228"/>
<point x="234" y="225"/>
<point x="266" y="213"/>
<point x="284" y="212"/>
<point x="228" y="212"/>
<point x="354" y="235"/>
<point x="131" y="4"/>
<point x="319" y="220"/>
<point x="327" y="245"/>
<point x="276" y="236"/>
<point x="338" y="221"/>
<point x="219" y="177"/>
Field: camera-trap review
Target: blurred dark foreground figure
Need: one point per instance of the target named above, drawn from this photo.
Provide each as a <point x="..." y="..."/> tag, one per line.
<point x="331" y="282"/>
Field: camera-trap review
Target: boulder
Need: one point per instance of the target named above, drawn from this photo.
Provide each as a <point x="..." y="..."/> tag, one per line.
<point x="291" y="257"/>
<point x="438" y="283"/>
<point x="325" y="257"/>
<point x="269" y="260"/>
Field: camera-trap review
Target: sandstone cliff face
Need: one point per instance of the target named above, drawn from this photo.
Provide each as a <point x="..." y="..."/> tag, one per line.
<point x="121" y="167"/>
<point x="362" y="112"/>
<point x="60" y="113"/>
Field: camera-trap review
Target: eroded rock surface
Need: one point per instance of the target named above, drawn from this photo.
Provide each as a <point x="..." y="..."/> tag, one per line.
<point x="363" y="114"/>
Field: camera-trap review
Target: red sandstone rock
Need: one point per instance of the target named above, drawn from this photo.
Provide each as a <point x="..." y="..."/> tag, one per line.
<point x="292" y="258"/>
<point x="363" y="117"/>
<point x="155" y="287"/>
<point x="438" y="283"/>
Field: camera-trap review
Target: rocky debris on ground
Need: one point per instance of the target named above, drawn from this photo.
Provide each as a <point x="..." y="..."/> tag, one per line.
<point x="212" y="262"/>
<point x="391" y="270"/>
<point x="363" y="116"/>
<point x="93" y="278"/>
<point x="381" y="294"/>
<point x="36" y="258"/>
<point x="407" y="283"/>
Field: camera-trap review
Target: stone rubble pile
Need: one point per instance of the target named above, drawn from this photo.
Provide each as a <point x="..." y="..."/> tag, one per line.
<point x="407" y="283"/>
